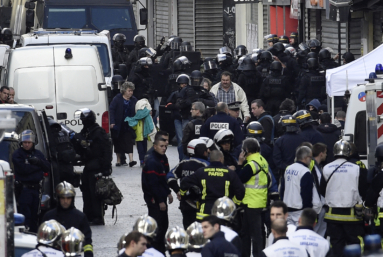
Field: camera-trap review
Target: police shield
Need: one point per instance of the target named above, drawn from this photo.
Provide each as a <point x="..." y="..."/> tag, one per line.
<point x="160" y="78"/>
<point x="194" y="58"/>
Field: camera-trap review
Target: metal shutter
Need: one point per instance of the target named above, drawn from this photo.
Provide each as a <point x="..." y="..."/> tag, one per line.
<point x="266" y="24"/>
<point x="161" y="19"/>
<point x="354" y="34"/>
<point x="185" y="15"/>
<point x="310" y="20"/>
<point x="254" y="20"/>
<point x="330" y="34"/>
<point x="208" y="26"/>
<point x="377" y="29"/>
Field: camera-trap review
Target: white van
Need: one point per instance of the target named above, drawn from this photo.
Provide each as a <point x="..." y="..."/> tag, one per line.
<point x="80" y="37"/>
<point x="48" y="78"/>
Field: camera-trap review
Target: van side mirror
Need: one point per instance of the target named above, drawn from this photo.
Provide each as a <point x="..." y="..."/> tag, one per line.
<point x="143" y="16"/>
<point x="30" y="18"/>
<point x="123" y="70"/>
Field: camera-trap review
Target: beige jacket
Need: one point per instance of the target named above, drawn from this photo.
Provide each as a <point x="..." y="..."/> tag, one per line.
<point x="239" y="96"/>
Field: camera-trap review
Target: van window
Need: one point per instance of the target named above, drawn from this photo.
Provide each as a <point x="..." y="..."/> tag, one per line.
<point x="24" y="121"/>
<point x="7" y="148"/>
<point x="104" y="58"/>
<point x="110" y="18"/>
<point x="360" y="132"/>
<point x="65" y="18"/>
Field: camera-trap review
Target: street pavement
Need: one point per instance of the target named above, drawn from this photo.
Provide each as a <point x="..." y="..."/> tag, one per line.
<point x="128" y="180"/>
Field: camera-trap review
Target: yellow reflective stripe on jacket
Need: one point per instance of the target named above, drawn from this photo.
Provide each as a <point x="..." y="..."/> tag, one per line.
<point x="339" y="217"/>
<point x="88" y="248"/>
<point x="312" y="164"/>
<point x="201" y="214"/>
<point x="236" y="201"/>
<point x="203" y="182"/>
<point x="183" y="192"/>
<point x="360" y="164"/>
<point x="227" y="185"/>
<point x="361" y="243"/>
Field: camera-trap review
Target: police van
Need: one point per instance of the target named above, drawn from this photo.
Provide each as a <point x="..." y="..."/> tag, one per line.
<point x="60" y="79"/>
<point x="79" y="37"/>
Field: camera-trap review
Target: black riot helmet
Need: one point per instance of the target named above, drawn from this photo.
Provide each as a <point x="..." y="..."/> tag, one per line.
<point x="284" y="39"/>
<point x="240" y="51"/>
<point x="303" y="117"/>
<point x="379" y="154"/>
<point x="6" y="34"/>
<point x="186" y="47"/>
<point x="255" y="130"/>
<point x="294" y="35"/>
<point x="183" y="79"/>
<point x="272" y="50"/>
<point x="181" y="63"/>
<point x="225" y="50"/>
<point x="146" y="52"/>
<point x="279" y="47"/>
<point x="272" y="38"/>
<point x="276" y="66"/>
<point x="315" y="45"/>
<point x="139" y="41"/>
<point x="324" y="54"/>
<point x="312" y="63"/>
<point x="247" y="64"/>
<point x="87" y="116"/>
<point x="196" y="78"/>
<point x="119" y="39"/>
<point x="209" y="64"/>
<point x="289" y="123"/>
<point x="266" y="56"/>
<point x="312" y="55"/>
<point x="348" y="57"/>
<point x="175" y="43"/>
<point x="116" y="79"/>
<point x="301" y="57"/>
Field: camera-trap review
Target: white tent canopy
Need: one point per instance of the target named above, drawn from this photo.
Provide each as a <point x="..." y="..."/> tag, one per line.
<point x="357" y="71"/>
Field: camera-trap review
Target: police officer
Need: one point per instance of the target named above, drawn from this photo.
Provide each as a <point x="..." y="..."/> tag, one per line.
<point x="192" y="130"/>
<point x="285" y="146"/>
<point x="67" y="214"/>
<point x="7" y="37"/>
<point x="139" y="42"/>
<point x="143" y="52"/>
<point x="239" y="52"/>
<point x="214" y="181"/>
<point x="294" y="40"/>
<point x="174" y="46"/>
<point x="275" y="88"/>
<point x="224" y="208"/>
<point x="191" y="94"/>
<point x="287" y="107"/>
<point x="284" y="39"/>
<point x="222" y="121"/>
<point x="312" y="85"/>
<point x="30" y="165"/>
<point x="348" y="57"/>
<point x="282" y="244"/>
<point x="302" y="63"/>
<point x="254" y="174"/>
<point x="314" y="45"/>
<point x="234" y="109"/>
<point x="162" y="51"/>
<point x="344" y="216"/>
<point x="263" y="67"/>
<point x="225" y="62"/>
<point x="72" y="242"/>
<point x="224" y="140"/>
<point x="248" y="79"/>
<point x="196" y="240"/>
<point x="315" y="244"/>
<point x="304" y="120"/>
<point x="48" y="240"/>
<point x="119" y="52"/>
<point x="180" y="65"/>
<point x="197" y="151"/>
<point x="325" y="60"/>
<point x="176" y="242"/>
<point x="186" y="47"/>
<point x="210" y="70"/>
<point x="291" y="64"/>
<point x="271" y="39"/>
<point x="97" y="156"/>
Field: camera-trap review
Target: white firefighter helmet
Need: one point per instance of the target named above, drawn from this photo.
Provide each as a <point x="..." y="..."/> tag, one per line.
<point x="195" y="234"/>
<point x="50" y="232"/>
<point x="176" y="238"/>
<point x="72" y="242"/>
<point x="146" y="225"/>
<point x="224" y="208"/>
<point x="193" y="144"/>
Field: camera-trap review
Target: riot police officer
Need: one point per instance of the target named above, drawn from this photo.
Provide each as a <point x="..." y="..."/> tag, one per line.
<point x="344" y="216"/>
<point x="97" y="156"/>
<point x="225" y="62"/>
<point x="271" y="39"/>
<point x="274" y="89"/>
<point x="294" y="40"/>
<point x="314" y="45"/>
<point x="287" y="107"/>
<point x="224" y="139"/>
<point x="142" y="80"/>
<point x="167" y="59"/>
<point x="197" y="151"/>
<point x="119" y="52"/>
<point x="284" y="39"/>
<point x="239" y="52"/>
<point x="139" y="42"/>
<point x="210" y="70"/>
<point x="176" y="242"/>
<point x="248" y="79"/>
<point x="179" y="66"/>
<point x="291" y="64"/>
<point x="143" y="52"/>
<point x="30" y="166"/>
<point x="312" y="85"/>
<point x="6" y="37"/>
<point x="48" y="239"/>
<point x="186" y="47"/>
<point x="325" y="60"/>
<point x="348" y="57"/>
<point x="304" y="120"/>
<point x="162" y="51"/>
<point x="302" y="63"/>
<point x="67" y="214"/>
<point x="265" y="59"/>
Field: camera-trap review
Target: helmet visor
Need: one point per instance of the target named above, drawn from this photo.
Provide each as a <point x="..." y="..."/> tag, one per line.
<point x="303" y="46"/>
<point x="28" y="136"/>
<point x="240" y="52"/>
<point x="210" y="65"/>
<point x="175" y="45"/>
<point x="81" y="113"/>
<point x="150" y="52"/>
<point x="221" y="57"/>
<point x="184" y="60"/>
<point x="146" y="61"/>
<point x="196" y="82"/>
<point x="186" y="48"/>
<point x="225" y="50"/>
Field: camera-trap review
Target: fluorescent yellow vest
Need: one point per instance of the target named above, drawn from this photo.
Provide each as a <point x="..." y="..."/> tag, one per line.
<point x="257" y="186"/>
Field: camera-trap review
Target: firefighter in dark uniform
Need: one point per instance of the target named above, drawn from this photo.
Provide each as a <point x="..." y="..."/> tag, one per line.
<point x="344" y="188"/>
<point x="263" y="67"/>
<point x="286" y="145"/>
<point x="68" y="216"/>
<point x="222" y="121"/>
<point x="312" y="85"/>
<point x="119" y="52"/>
<point x="179" y="66"/>
<point x="97" y="157"/>
<point x="248" y="79"/>
<point x="271" y="39"/>
<point x="30" y="165"/>
<point x="305" y="122"/>
<point x="167" y="59"/>
<point x="139" y="42"/>
<point x="274" y="89"/>
<point x="294" y="40"/>
<point x="197" y="151"/>
<point x="192" y="130"/>
<point x="214" y="181"/>
<point x="224" y="140"/>
<point x="325" y="60"/>
<point x="210" y="70"/>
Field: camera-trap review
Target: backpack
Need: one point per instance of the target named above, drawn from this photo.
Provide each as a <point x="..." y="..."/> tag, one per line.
<point x="107" y="191"/>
